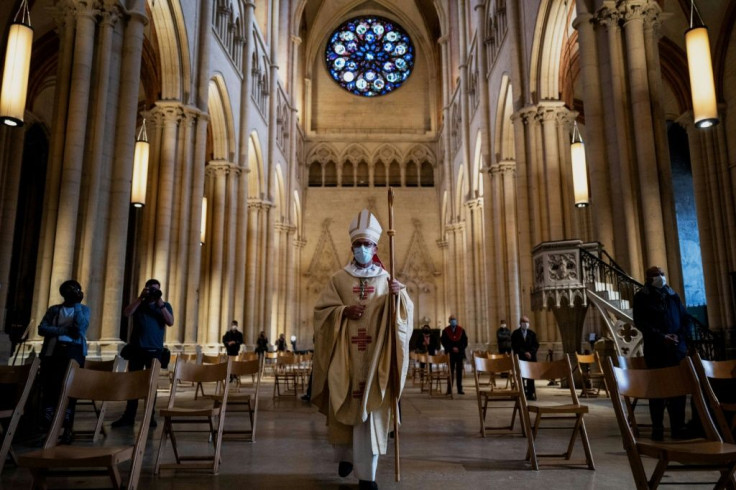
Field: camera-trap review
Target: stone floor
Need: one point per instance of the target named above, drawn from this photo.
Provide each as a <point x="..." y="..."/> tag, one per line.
<point x="441" y="448"/>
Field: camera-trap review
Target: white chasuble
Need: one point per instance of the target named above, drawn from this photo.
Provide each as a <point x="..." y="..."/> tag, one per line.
<point x="352" y="358"/>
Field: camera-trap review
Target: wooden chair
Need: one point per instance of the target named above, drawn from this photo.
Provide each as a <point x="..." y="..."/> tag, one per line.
<point x="717" y="370"/>
<point x="176" y="414"/>
<point x="270" y="365"/>
<point x="573" y="411"/>
<point x="439" y="375"/>
<point x="708" y="454"/>
<point x="484" y="366"/>
<point x="209" y="359"/>
<point x="116" y="365"/>
<point x="591" y="374"/>
<point x="631" y="403"/>
<point x="244" y="402"/>
<point x="285" y="376"/>
<point x="88" y="384"/>
<point x="18" y="380"/>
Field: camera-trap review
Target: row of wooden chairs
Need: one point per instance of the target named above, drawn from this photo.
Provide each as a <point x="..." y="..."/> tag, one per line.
<point x="99" y="382"/>
<point x="433" y="373"/>
<point x="716" y="451"/>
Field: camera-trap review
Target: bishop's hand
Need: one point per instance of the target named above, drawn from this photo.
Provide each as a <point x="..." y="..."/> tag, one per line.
<point x="395" y="286"/>
<point x="353" y="312"/>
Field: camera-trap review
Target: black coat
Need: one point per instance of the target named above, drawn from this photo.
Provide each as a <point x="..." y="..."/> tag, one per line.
<point x="521" y="346"/>
<point x="230" y="335"/>
<point x="657" y="312"/>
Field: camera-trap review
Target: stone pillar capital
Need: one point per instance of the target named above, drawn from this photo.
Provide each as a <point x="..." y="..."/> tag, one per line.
<point x="216" y="168"/>
<point x="608" y="17"/>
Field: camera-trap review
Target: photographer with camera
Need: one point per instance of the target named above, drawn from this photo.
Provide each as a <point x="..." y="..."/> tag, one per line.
<point x="151" y="315"/>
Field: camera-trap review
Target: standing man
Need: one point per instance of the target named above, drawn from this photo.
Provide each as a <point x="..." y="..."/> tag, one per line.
<point x="455" y="341"/>
<point x="233" y="339"/>
<point x="663" y="321"/>
<point x="352" y="383"/>
<point x="503" y="336"/>
<point x="151" y="315"/>
<point x="525" y="345"/>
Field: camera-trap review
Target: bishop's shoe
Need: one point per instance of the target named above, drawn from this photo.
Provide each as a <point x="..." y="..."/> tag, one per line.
<point x="344" y="468"/>
<point x="367" y="485"/>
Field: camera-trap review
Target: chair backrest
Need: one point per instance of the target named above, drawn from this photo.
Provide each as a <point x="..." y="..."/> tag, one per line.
<point x="116" y="364"/>
<point x="272" y="355"/>
<point x="665" y="382"/>
<point x="542" y="370"/>
<point x="91" y="384"/>
<point x="631" y="362"/>
<point x="201" y="373"/>
<point x="585" y="358"/>
<point x="480" y="353"/>
<point x="501" y="365"/>
<point x="438" y="359"/>
<point x="212" y="358"/>
<point x="247" y="356"/>
<point x="242" y="368"/>
<point x="495" y="355"/>
<point x="716" y="370"/>
<point x="19" y="377"/>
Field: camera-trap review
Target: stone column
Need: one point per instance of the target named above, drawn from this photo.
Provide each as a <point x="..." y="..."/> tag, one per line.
<point x="620" y="152"/>
<point x="595" y="122"/>
<point x="549" y="113"/>
<point x="649" y="190"/>
<point x="166" y="182"/>
<point x="97" y="167"/>
<point x="71" y="175"/>
<point x="510" y="259"/>
<point x="122" y="171"/>
<point x="64" y="18"/>
<point x="478" y="272"/>
<point x="251" y="274"/>
<point x="191" y="322"/>
<point x="217" y="173"/>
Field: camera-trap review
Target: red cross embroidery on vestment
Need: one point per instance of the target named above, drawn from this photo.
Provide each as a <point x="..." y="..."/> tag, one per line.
<point x="362" y="340"/>
<point x="359" y="392"/>
<point x="363" y="290"/>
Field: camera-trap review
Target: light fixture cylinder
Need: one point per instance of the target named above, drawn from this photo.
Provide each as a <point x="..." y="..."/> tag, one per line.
<point x="140" y="174"/>
<point x="702" y="86"/>
<point x="203" y="222"/>
<point x="579" y="169"/>
<point x="15" y="74"/>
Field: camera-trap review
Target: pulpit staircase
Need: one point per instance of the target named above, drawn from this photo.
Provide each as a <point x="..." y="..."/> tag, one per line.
<point x="571" y="275"/>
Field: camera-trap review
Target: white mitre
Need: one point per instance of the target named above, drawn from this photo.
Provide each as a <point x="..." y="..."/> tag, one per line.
<point x="365" y="226"/>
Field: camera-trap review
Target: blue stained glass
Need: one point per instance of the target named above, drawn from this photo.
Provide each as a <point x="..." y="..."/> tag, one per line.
<point x="369" y="56"/>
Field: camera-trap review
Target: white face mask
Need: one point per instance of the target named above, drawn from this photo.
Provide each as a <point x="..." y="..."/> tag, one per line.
<point x="503" y="325"/>
<point x="524" y="325"/>
<point x="363" y="255"/>
<point x="233" y="327"/>
<point x="659" y="281"/>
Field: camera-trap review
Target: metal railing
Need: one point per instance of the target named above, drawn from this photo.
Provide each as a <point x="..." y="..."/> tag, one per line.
<point x="608" y="274"/>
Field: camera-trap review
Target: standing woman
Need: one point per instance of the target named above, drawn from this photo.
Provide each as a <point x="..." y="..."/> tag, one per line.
<point x="64" y="332"/>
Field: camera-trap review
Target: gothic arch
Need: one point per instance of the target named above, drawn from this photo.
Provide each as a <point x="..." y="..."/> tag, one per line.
<point x="419" y="153"/>
<point x="504" y="133"/>
<point x="296" y="213"/>
<point x="173" y="46"/>
<point x="255" y="165"/>
<point x="322" y="153"/>
<point x="387" y="153"/>
<point x="460" y="191"/>
<point x="354" y="153"/>
<point x="549" y="34"/>
<point x="221" y="120"/>
<point x="478" y="164"/>
<point x="280" y="197"/>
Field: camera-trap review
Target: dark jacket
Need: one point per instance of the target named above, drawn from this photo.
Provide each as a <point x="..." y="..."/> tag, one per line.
<point x="458" y="339"/>
<point x="237" y="336"/>
<point x="503" y="335"/>
<point x="657" y="312"/>
<point x="521" y="346"/>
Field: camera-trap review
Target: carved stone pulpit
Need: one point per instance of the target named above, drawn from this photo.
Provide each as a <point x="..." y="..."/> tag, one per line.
<point x="559" y="285"/>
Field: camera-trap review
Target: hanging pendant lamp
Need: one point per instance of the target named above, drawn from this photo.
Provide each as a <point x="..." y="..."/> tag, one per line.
<point x="17" y="66"/>
<point x="700" y="66"/>
<point x="140" y="168"/>
<point x="579" y="169"/>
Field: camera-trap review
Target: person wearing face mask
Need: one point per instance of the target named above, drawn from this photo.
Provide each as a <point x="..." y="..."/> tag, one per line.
<point x="524" y="344"/>
<point x="233" y="339"/>
<point x="352" y="353"/>
<point x="64" y="332"/>
<point x="503" y="336"/>
<point x="454" y="341"/>
<point x="663" y="321"/>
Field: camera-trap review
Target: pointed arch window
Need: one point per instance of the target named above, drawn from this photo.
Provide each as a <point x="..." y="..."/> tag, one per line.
<point x="348" y="174"/>
<point x="379" y="174"/>
<point x="412" y="174"/>
<point x="315" y="174"/>
<point x="394" y="174"/>
<point x="362" y="175"/>
<point x="426" y="175"/>
<point x="330" y="179"/>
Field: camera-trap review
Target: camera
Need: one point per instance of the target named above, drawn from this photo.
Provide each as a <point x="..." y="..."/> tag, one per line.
<point x="154" y="294"/>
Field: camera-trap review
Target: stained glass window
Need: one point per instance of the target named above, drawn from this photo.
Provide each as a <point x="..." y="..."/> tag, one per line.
<point x="369" y="56"/>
